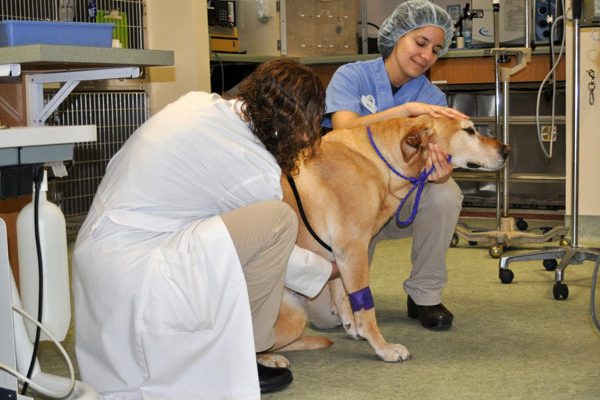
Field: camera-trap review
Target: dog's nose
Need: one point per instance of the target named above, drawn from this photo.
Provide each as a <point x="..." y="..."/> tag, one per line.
<point x="505" y="151"/>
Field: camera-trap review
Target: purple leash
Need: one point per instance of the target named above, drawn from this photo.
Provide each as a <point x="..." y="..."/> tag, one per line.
<point x="418" y="183"/>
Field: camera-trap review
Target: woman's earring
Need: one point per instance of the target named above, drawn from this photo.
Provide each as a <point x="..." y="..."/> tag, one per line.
<point x="276" y="134"/>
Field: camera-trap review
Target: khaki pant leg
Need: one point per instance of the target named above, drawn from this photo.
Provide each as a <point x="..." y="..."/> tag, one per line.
<point x="432" y="229"/>
<point x="264" y="235"/>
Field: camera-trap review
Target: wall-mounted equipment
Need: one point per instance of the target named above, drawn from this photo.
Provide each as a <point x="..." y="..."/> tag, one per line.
<point x="298" y="28"/>
<point x="222" y="26"/>
<point x="512" y="22"/>
<point x="545" y="13"/>
<point x="591" y="13"/>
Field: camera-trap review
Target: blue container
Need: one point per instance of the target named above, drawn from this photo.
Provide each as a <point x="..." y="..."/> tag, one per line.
<point x="17" y="33"/>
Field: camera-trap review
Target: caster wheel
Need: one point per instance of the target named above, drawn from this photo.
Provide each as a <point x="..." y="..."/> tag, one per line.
<point x="550" y="265"/>
<point x="506" y="275"/>
<point x="454" y="241"/>
<point x="521" y="224"/>
<point x="565" y="242"/>
<point x="472" y="243"/>
<point x="560" y="291"/>
<point x="496" y="251"/>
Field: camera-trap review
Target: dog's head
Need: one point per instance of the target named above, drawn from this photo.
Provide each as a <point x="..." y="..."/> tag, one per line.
<point x="458" y="137"/>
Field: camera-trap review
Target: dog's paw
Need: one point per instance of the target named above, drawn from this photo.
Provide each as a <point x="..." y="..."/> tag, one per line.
<point x="272" y="360"/>
<point x="393" y="353"/>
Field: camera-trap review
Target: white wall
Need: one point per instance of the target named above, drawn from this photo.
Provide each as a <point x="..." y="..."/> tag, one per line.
<point x="589" y="122"/>
<point x="181" y="26"/>
<point x="589" y="135"/>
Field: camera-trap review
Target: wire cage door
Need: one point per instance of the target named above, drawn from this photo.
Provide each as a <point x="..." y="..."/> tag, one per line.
<point x="116" y="114"/>
<point x="127" y="15"/>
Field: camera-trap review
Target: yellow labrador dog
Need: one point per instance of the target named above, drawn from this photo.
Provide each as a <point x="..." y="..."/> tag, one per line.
<point x="348" y="193"/>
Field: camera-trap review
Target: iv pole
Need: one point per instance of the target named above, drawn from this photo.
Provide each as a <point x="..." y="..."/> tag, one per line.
<point x="572" y="254"/>
<point x="506" y="232"/>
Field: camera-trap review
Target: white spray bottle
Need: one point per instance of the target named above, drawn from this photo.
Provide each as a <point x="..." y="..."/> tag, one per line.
<point x="56" y="306"/>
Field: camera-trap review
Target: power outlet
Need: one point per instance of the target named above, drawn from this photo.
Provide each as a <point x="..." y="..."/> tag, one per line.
<point x="549" y="133"/>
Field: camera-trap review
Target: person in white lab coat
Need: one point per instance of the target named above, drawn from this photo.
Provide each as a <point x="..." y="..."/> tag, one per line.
<point x="179" y="267"/>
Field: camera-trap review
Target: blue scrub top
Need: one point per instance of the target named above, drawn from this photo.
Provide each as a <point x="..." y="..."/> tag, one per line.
<point x="363" y="87"/>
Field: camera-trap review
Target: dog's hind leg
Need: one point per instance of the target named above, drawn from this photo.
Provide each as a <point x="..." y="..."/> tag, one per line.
<point x="272" y="360"/>
<point x="291" y="323"/>
<point x="288" y="328"/>
<point x="308" y="342"/>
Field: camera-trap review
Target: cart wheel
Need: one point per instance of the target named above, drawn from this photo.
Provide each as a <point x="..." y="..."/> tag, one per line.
<point x="506" y="275"/>
<point x="560" y="291"/>
<point x="472" y="243"/>
<point x="496" y="251"/>
<point x="454" y="241"/>
<point x="550" y="264"/>
<point x="565" y="242"/>
<point x="521" y="224"/>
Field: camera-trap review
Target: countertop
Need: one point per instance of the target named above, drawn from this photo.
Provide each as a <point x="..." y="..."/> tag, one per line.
<point x="308" y="60"/>
<point x="37" y="57"/>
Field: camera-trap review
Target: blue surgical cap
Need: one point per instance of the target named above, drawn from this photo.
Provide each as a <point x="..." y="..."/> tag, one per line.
<point x="411" y="15"/>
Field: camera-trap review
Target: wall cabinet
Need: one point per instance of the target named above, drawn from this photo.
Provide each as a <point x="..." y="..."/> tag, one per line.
<point x="469" y="70"/>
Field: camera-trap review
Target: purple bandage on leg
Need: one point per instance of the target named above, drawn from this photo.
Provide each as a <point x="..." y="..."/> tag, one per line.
<point x="361" y="299"/>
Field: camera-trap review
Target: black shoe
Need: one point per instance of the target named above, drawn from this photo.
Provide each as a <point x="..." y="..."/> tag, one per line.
<point x="436" y="318"/>
<point x="273" y="379"/>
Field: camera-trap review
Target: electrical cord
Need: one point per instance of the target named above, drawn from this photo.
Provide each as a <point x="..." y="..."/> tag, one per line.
<point x="370" y="24"/>
<point x="222" y="71"/>
<point x="593" y="295"/>
<point x="548" y="153"/>
<point x="38" y="176"/>
<point x="27" y="379"/>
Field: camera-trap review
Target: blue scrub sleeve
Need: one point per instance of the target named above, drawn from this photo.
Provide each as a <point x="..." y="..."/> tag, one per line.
<point x="438" y="97"/>
<point x="343" y="93"/>
<point x="422" y="91"/>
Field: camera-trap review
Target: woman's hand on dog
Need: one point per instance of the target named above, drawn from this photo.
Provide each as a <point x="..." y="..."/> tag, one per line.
<point x="414" y="109"/>
<point x="347" y="119"/>
<point x="442" y="168"/>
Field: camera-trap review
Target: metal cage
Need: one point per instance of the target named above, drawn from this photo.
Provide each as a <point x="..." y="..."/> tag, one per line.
<point x="116" y="112"/>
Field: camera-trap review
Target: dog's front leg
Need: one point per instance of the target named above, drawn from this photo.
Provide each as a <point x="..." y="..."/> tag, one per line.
<point x="339" y="299"/>
<point x="367" y="328"/>
<point x="353" y="265"/>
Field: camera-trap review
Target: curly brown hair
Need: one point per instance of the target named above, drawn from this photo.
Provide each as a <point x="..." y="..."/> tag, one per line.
<point x="284" y="102"/>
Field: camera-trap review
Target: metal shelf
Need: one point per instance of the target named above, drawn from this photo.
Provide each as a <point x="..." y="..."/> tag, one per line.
<point x="521" y="120"/>
<point x="514" y="177"/>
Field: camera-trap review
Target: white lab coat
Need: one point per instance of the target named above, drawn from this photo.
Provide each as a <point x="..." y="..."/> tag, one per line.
<point x="161" y="306"/>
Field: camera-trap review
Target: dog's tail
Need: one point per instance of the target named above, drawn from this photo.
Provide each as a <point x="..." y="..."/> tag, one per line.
<point x="308" y="343"/>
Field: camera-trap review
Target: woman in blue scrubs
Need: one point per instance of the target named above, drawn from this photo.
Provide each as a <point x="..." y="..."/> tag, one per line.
<point x="394" y="85"/>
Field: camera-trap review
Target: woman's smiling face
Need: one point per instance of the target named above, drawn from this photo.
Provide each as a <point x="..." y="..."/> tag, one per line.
<point x="414" y="53"/>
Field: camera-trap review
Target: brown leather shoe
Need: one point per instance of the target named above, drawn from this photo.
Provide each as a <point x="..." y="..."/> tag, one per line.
<point x="436" y="318"/>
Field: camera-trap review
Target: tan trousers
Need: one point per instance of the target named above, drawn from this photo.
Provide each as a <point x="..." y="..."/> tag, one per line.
<point x="432" y="229"/>
<point x="264" y="235"/>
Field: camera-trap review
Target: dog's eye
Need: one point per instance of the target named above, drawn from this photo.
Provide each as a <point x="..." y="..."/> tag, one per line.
<point x="470" y="131"/>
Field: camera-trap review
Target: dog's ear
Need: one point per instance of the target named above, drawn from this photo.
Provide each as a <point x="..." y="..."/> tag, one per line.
<point x="414" y="140"/>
